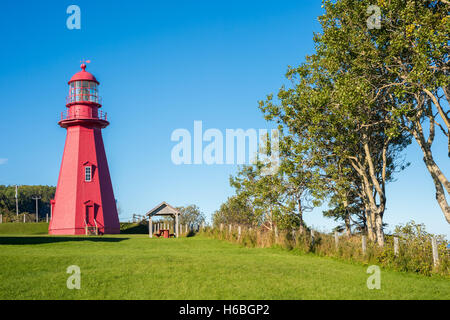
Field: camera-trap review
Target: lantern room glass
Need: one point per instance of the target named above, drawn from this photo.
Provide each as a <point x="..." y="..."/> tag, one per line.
<point x="83" y="91"/>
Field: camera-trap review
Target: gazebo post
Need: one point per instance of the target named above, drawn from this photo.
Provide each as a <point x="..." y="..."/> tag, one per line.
<point x="176" y="225"/>
<point x="150" y="227"/>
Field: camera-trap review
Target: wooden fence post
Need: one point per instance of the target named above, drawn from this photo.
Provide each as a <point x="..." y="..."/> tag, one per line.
<point x="396" y="246"/>
<point x="434" y="248"/>
<point x="336" y="239"/>
<point x="364" y="244"/>
<point x="301" y="229"/>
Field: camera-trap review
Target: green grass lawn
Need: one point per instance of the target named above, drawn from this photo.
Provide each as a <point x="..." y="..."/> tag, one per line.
<point x="135" y="267"/>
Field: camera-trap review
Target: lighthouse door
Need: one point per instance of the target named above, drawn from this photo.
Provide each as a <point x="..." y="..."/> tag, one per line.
<point x="90" y="216"/>
<point x="91" y="225"/>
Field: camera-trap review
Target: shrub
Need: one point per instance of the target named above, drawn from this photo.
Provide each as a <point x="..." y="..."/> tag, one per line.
<point x="415" y="251"/>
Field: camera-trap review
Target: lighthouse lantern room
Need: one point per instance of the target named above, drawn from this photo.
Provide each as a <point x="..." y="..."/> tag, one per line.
<point x="84" y="201"/>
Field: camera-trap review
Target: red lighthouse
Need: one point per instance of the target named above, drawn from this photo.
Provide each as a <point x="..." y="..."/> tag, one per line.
<point x="84" y="200"/>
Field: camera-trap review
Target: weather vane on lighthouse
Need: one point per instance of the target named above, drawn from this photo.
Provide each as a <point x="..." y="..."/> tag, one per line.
<point x="84" y="200"/>
<point x="83" y="63"/>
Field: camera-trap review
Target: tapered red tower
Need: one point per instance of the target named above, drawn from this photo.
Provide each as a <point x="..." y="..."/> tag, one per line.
<point x="84" y="201"/>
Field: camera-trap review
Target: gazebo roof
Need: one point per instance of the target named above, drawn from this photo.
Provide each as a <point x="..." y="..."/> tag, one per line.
<point x="163" y="209"/>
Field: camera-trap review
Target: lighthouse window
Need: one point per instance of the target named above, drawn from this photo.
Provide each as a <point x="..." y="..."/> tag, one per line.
<point x="88" y="174"/>
<point x="83" y="91"/>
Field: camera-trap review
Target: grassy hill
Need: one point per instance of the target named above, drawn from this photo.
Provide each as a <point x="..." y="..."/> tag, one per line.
<point x="136" y="267"/>
<point x="24" y="228"/>
<point x="42" y="228"/>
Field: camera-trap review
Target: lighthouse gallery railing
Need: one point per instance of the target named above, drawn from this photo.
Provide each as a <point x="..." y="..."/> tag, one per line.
<point x="66" y="115"/>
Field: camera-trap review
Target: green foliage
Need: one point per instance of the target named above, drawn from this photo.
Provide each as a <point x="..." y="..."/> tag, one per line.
<point x="235" y="210"/>
<point x="25" y="201"/>
<point x="415" y="252"/>
<point x="349" y="112"/>
<point x="191" y="215"/>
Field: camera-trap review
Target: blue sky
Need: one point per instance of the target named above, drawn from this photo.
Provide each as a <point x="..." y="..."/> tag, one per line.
<point x="162" y="65"/>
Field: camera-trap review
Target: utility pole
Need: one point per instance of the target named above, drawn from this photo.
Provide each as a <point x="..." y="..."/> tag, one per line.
<point x="37" y="207"/>
<point x="17" y="202"/>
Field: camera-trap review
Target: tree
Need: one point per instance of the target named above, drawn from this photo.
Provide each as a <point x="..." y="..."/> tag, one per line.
<point x="191" y="215"/>
<point x="236" y="210"/>
<point x="416" y="60"/>
<point x="406" y="60"/>
<point x="342" y="113"/>
<point x="281" y="197"/>
<point x="263" y="193"/>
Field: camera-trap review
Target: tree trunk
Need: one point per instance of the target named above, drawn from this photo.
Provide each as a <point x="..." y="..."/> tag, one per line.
<point x="379" y="230"/>
<point x="348" y="230"/>
<point x="441" y="182"/>
<point x="300" y="214"/>
<point x="370" y="225"/>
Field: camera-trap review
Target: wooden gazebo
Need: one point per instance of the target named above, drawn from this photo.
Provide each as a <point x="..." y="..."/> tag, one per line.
<point x="163" y="209"/>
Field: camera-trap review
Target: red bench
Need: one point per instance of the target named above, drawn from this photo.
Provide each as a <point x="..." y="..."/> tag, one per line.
<point x="164" y="233"/>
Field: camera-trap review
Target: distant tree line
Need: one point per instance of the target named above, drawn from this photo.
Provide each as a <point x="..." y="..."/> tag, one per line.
<point x="347" y="116"/>
<point x="25" y="196"/>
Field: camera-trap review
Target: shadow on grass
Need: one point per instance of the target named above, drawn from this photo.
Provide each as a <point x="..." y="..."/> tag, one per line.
<point x="40" y="240"/>
<point x="135" y="229"/>
<point x="191" y="234"/>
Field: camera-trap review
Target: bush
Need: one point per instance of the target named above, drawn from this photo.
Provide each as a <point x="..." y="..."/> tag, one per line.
<point x="415" y="250"/>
